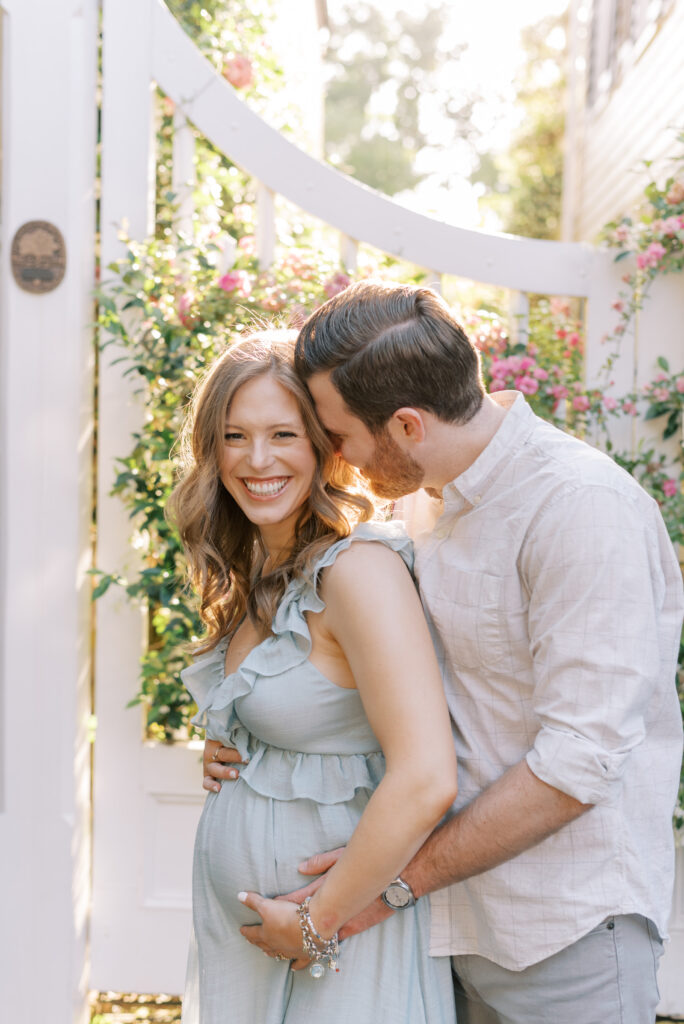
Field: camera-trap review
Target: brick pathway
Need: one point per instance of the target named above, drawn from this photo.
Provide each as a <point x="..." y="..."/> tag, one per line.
<point x="114" y="1008"/>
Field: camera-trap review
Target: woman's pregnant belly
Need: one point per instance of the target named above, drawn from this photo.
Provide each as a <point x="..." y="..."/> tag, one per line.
<point x="246" y="841"/>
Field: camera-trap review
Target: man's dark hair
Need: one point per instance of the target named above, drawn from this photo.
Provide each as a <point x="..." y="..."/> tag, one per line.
<point x="387" y="346"/>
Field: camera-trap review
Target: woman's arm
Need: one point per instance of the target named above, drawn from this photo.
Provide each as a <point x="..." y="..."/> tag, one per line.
<point x="373" y="612"/>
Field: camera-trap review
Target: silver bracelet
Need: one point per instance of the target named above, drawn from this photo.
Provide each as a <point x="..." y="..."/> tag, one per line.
<point x="323" y="952"/>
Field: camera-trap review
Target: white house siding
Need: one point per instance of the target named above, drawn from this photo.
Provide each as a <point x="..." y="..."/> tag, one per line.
<point x="633" y="121"/>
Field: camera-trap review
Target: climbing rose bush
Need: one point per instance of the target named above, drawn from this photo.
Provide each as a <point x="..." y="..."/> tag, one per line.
<point x="171" y="305"/>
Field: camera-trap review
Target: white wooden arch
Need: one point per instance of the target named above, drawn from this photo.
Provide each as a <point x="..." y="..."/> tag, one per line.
<point x="358" y="212"/>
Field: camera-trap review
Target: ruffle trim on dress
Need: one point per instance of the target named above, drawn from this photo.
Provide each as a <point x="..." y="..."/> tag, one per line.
<point x="323" y="778"/>
<point x="289" y="646"/>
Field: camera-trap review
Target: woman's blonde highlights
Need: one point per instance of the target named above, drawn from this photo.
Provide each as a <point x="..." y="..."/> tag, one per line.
<point x="224" y="553"/>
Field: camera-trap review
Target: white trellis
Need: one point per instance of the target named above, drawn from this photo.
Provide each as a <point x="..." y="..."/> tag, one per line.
<point x="146" y="798"/>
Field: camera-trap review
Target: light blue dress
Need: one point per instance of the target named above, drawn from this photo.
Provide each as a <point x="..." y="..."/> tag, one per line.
<point x="313" y="764"/>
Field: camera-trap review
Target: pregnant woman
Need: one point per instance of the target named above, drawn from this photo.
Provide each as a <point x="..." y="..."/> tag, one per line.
<point x="317" y="666"/>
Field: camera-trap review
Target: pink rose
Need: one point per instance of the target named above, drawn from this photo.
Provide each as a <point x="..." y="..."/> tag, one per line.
<point x="561" y="333"/>
<point x="671" y="226"/>
<point x="336" y="284"/>
<point x="238" y="71"/>
<point x="670" y="488"/>
<point x="574" y="340"/>
<point x="184" y="305"/>
<point x="528" y="385"/>
<point x="559" y="391"/>
<point x="622" y="233"/>
<point x="661" y="394"/>
<point x="559" y="307"/>
<point x="540" y="373"/>
<point x="676" y="194"/>
<point x="610" y="402"/>
<point x="652" y="256"/>
<point x="236" y="281"/>
<point x="618" y="305"/>
<point x="497" y="385"/>
<point x="580" y="403"/>
<point x="679" y="384"/>
<point x="248" y="244"/>
<point x="630" y="408"/>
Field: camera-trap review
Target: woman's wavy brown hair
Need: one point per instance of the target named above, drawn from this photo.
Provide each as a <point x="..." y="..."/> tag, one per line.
<point x="224" y="550"/>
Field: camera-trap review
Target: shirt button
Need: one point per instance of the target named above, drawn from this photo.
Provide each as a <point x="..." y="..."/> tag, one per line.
<point x="477" y="499"/>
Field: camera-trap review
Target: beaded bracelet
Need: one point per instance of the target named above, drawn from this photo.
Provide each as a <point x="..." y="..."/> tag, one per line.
<point x="323" y="952"/>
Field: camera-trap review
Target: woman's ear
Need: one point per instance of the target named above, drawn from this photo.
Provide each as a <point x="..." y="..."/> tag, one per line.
<point x="407" y="426"/>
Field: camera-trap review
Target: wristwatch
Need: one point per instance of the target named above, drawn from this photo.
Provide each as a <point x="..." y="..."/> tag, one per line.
<point x="398" y="895"/>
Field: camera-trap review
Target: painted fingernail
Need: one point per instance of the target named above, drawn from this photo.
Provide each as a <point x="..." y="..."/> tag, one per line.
<point x="232" y="774"/>
<point x="216" y="789"/>
<point x="242" y="896"/>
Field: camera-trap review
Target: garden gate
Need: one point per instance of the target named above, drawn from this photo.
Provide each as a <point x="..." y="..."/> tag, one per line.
<point x="147" y="797"/>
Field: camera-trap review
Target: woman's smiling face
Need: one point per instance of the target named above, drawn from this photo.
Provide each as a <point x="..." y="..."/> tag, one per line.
<point x="268" y="462"/>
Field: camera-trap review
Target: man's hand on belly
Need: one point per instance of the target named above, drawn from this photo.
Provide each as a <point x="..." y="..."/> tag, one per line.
<point x="219" y="765"/>
<point x="318" y="865"/>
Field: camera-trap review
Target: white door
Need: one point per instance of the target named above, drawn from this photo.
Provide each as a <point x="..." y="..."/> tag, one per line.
<point x="147" y="798"/>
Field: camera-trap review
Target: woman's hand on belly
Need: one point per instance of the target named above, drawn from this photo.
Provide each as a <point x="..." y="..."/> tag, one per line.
<point x="374" y="913"/>
<point x="279" y="934"/>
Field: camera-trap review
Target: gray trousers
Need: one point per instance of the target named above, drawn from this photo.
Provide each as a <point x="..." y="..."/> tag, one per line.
<point x="606" y="977"/>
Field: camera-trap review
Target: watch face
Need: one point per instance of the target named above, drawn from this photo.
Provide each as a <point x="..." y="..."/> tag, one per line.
<point x="397" y="896"/>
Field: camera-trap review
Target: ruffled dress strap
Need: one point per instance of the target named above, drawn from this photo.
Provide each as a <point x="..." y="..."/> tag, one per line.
<point x="289" y="647"/>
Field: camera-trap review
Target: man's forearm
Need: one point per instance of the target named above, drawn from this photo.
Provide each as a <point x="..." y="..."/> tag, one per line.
<point x="513" y="814"/>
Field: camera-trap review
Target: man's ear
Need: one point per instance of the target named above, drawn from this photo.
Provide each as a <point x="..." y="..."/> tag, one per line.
<point x="407" y="425"/>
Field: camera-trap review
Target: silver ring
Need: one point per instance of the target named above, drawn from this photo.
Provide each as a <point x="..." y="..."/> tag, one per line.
<point x="216" y="753"/>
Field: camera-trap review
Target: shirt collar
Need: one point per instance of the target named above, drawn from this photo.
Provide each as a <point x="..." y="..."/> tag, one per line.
<point x="515" y="427"/>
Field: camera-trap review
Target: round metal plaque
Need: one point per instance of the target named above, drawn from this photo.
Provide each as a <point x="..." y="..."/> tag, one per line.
<point x="38" y="257"/>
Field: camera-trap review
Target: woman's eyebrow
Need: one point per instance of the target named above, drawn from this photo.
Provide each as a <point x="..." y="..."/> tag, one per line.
<point x="291" y="424"/>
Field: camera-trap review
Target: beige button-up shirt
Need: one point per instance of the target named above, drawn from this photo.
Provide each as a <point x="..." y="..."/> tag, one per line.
<point x="555" y="599"/>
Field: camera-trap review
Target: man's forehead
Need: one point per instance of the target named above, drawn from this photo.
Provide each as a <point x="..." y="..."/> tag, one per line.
<point x="329" y="402"/>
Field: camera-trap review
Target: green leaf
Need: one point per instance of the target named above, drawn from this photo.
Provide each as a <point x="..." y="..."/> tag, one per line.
<point x="103" y="586"/>
<point x="673" y="424"/>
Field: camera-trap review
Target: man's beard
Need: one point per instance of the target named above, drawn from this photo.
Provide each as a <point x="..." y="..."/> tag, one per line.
<point x="392" y="473"/>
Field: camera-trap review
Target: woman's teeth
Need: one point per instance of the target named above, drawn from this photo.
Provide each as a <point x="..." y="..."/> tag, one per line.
<point x="264" y="488"/>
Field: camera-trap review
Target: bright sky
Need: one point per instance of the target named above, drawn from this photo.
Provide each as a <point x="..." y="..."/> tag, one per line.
<point x="492" y="29"/>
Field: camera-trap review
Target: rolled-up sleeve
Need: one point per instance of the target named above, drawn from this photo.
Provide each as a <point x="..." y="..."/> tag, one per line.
<point x="592" y="567"/>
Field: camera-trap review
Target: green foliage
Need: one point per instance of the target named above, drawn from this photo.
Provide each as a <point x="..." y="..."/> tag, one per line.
<point x="383" y="74"/>
<point x="170" y="311"/>
<point x="172" y="304"/>
<point x="524" y="185"/>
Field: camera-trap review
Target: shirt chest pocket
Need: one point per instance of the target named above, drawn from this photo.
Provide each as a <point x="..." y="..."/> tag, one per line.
<point x="466" y="609"/>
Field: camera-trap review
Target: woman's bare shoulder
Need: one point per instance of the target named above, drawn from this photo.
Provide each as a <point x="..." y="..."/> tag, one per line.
<point x="364" y="564"/>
